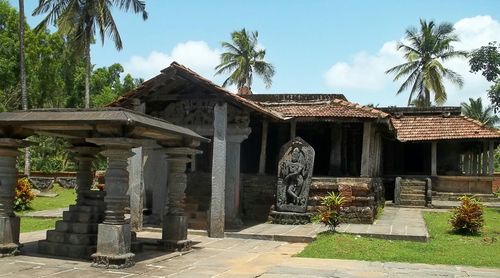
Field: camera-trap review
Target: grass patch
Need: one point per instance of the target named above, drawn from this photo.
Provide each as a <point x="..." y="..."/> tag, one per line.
<point x="30" y="224"/>
<point x="64" y="198"/>
<point x="444" y="247"/>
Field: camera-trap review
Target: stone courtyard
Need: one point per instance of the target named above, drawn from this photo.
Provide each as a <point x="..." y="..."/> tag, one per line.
<point x="226" y="257"/>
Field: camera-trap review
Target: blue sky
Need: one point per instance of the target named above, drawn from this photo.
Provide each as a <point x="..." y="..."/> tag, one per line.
<point x="316" y="46"/>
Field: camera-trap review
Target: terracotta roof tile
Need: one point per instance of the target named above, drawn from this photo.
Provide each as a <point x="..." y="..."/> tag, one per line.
<point x="337" y="108"/>
<point x="426" y="128"/>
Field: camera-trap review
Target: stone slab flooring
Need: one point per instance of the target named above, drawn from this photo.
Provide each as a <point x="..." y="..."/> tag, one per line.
<point x="228" y="257"/>
<point x="395" y="224"/>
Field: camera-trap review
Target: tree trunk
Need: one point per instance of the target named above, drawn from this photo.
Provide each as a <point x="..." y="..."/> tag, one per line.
<point x="87" y="74"/>
<point x="427" y="98"/>
<point x="24" y="91"/>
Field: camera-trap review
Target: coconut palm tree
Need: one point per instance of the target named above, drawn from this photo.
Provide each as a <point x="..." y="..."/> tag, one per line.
<point x="242" y="59"/>
<point x="475" y="110"/>
<point x="424" y="51"/>
<point x="79" y="20"/>
<point x="24" y="90"/>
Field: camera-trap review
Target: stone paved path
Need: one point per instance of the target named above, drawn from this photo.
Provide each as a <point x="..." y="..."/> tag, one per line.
<point x="227" y="257"/>
<point x="53" y="213"/>
<point x="395" y="223"/>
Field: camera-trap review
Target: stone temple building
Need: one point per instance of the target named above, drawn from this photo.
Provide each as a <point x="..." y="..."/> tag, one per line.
<point x="408" y="155"/>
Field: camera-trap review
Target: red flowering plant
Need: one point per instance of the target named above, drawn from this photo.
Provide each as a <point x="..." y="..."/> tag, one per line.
<point x="24" y="196"/>
<point x="330" y="212"/>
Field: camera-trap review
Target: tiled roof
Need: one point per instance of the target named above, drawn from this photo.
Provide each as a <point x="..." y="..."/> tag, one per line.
<point x="426" y="128"/>
<point x="336" y="108"/>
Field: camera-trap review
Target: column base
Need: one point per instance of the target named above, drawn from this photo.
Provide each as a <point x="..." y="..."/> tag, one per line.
<point x="113" y="247"/>
<point x="175" y="245"/>
<point x="9" y="236"/>
<point x="174" y="227"/>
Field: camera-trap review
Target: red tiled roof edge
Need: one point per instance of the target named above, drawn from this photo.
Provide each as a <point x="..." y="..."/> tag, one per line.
<point x="379" y="113"/>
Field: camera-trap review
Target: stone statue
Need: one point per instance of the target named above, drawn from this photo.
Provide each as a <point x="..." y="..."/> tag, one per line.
<point x="294" y="178"/>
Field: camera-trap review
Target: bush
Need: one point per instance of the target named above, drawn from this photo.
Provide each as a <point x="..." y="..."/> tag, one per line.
<point x="330" y="212"/>
<point x="468" y="217"/>
<point x="24" y="196"/>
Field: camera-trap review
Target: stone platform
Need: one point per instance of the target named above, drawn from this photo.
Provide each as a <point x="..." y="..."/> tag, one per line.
<point x="394" y="224"/>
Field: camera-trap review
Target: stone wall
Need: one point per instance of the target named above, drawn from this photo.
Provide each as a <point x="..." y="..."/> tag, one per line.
<point x="464" y="184"/>
<point x="364" y="196"/>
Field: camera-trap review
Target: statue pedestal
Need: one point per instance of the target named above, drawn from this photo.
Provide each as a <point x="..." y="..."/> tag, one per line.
<point x="290" y="218"/>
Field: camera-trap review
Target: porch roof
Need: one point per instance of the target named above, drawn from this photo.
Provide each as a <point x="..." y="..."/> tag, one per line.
<point x="441" y="127"/>
<point x="86" y="123"/>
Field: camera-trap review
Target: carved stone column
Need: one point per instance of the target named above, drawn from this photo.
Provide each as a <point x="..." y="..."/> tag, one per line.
<point x="114" y="236"/>
<point x="84" y="157"/>
<point x="9" y="222"/>
<point x="232" y="194"/>
<point x="174" y="225"/>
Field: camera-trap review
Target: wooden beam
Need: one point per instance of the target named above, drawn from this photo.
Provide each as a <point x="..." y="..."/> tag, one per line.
<point x="263" y="147"/>
<point x="434" y="158"/>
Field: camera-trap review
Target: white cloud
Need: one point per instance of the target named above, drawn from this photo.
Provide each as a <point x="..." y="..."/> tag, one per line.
<point x="365" y="74"/>
<point x="196" y="55"/>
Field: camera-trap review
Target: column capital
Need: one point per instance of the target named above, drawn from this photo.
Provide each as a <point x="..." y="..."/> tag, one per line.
<point x="10" y="146"/>
<point x="115" y="142"/>
<point x="237" y="135"/>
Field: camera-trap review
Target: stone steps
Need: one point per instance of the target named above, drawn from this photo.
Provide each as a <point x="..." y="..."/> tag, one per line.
<point x="75" y="227"/>
<point x="412" y="197"/>
<point x="77" y="239"/>
<point x="82" y="217"/>
<point x="66" y="249"/>
<point x="413" y="203"/>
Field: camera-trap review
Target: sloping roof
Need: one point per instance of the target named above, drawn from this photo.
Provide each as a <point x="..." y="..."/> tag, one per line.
<point x="186" y="73"/>
<point x="293" y="97"/>
<point x="336" y="108"/>
<point x="436" y="127"/>
<point x="67" y="119"/>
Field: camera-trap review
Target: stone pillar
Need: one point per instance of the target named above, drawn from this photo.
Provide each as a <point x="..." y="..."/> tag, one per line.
<point x="84" y="156"/>
<point x="484" y="162"/>
<point x="263" y="147"/>
<point x="216" y="217"/>
<point x="232" y="194"/>
<point x="491" y="158"/>
<point x="9" y="222"/>
<point x="397" y="191"/>
<point x="366" y="160"/>
<point x="114" y="235"/>
<point x="434" y="158"/>
<point x="136" y="189"/>
<point x="174" y="225"/>
<point x="335" y="151"/>
<point x="293" y="129"/>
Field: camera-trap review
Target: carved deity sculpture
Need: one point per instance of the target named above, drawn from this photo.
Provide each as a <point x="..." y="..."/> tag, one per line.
<point x="294" y="176"/>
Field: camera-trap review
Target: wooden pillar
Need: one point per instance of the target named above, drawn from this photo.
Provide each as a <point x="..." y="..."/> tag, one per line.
<point x="263" y="147"/>
<point x="293" y="129"/>
<point x="217" y="203"/>
<point x="434" y="158"/>
<point x="491" y="158"/>
<point x="335" y="150"/>
<point x="474" y="164"/>
<point x="365" y="155"/>
<point x="467" y="163"/>
<point x="485" y="159"/>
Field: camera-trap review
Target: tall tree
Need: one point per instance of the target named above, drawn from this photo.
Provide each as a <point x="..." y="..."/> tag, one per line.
<point x="24" y="92"/>
<point x="486" y="60"/>
<point x="242" y="58"/>
<point x="475" y="110"/>
<point x="424" y="50"/>
<point x="79" y="20"/>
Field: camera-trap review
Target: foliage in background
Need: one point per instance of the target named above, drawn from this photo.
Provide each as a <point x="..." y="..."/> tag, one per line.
<point x="49" y="155"/>
<point x="486" y="60"/>
<point x="425" y="51"/>
<point x="24" y="196"/>
<point x="242" y="59"/>
<point x="468" y="217"/>
<point x="330" y="212"/>
<point x="475" y="110"/>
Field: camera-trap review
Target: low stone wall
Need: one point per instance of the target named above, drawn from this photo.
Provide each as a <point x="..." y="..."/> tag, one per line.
<point x="363" y="196"/>
<point x="463" y="184"/>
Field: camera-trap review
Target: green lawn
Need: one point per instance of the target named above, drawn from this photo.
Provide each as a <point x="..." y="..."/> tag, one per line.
<point x="65" y="198"/>
<point x="29" y="224"/>
<point x="443" y="247"/>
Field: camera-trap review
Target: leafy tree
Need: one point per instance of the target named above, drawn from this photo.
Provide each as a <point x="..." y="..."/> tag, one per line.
<point x="107" y="84"/>
<point x="243" y="57"/>
<point x="475" y="110"/>
<point x="486" y="60"/>
<point x="425" y="50"/>
<point x="79" y="20"/>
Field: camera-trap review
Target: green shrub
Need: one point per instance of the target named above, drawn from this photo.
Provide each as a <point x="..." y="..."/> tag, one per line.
<point x="24" y="196"/>
<point x="330" y="212"/>
<point x="468" y="217"/>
